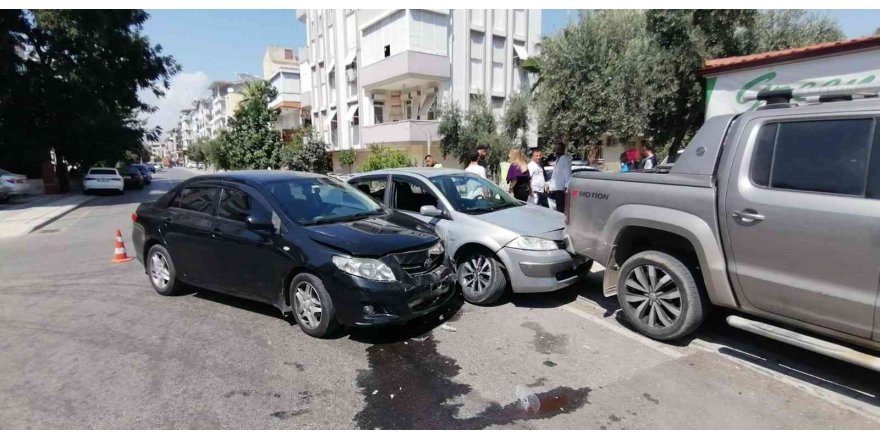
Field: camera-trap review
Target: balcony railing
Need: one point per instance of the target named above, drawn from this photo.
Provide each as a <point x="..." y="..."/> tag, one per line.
<point x="405" y="131"/>
<point x="405" y="64"/>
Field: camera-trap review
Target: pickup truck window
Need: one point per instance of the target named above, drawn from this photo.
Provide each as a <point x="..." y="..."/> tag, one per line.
<point x="828" y="156"/>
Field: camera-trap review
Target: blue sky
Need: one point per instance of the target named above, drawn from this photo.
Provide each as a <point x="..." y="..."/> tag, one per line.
<point x="217" y="44"/>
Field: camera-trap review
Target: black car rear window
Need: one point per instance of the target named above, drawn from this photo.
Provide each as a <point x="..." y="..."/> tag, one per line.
<point x="199" y="199"/>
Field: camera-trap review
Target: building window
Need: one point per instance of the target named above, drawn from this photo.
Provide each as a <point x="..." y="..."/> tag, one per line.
<point x="478" y="17"/>
<point x="498" y="53"/>
<point x="428" y="31"/>
<point x="387" y="51"/>
<point x="288" y="54"/>
<point x="519" y="22"/>
<point x="476" y="66"/>
<point x="499" y="19"/>
<point x="378" y="112"/>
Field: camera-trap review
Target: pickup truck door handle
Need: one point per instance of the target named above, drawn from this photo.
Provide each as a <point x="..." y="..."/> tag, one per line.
<point x="747" y="216"/>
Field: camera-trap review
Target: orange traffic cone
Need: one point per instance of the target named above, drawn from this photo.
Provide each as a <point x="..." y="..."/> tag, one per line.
<point x="119" y="253"/>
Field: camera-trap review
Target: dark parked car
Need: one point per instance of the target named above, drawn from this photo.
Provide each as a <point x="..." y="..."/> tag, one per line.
<point x="308" y="244"/>
<point x="145" y="172"/>
<point x="132" y="177"/>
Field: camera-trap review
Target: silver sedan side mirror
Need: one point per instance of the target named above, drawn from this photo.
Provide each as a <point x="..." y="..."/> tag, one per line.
<point x="430" y="211"/>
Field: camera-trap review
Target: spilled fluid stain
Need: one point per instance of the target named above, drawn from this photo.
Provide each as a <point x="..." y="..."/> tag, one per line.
<point x="421" y="380"/>
<point x="284" y="415"/>
<point x="246" y="393"/>
<point x="546" y="342"/>
<point x="550" y="363"/>
<point x="651" y="399"/>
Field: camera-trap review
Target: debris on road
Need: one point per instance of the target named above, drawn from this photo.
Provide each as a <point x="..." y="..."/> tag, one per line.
<point x="448" y="328"/>
<point x="527" y="398"/>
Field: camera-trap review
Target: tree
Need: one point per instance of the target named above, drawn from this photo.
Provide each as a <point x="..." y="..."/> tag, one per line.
<point x="515" y="121"/>
<point x="451" y="129"/>
<point x="346" y="158"/>
<point x="306" y="151"/>
<point x="382" y="157"/>
<point x="777" y="29"/>
<point x="198" y="152"/>
<point x="251" y="142"/>
<point x="72" y="85"/>
<point x="630" y="73"/>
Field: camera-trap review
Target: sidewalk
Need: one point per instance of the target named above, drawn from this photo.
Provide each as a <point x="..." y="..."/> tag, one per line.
<point x="19" y="220"/>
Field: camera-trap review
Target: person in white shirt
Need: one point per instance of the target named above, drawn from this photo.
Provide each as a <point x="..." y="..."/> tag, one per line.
<point x="561" y="176"/>
<point x="536" y="182"/>
<point x="475" y="167"/>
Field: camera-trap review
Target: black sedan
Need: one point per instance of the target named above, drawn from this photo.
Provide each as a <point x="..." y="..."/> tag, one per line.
<point x="308" y="244"/>
<point x="132" y="177"/>
<point x="145" y="172"/>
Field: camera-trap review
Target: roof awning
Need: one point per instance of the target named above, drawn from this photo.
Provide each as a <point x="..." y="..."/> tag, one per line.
<point x="351" y="111"/>
<point x="330" y="116"/>
<point x="520" y="52"/>
<point x="350" y="58"/>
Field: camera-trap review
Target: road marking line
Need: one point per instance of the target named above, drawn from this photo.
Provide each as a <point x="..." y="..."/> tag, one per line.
<point x="625" y="332"/>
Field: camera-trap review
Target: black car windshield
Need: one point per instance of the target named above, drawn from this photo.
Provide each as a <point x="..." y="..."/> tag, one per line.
<point x="472" y="194"/>
<point x="313" y="200"/>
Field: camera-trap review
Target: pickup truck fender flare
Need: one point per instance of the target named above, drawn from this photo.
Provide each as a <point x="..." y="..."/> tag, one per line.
<point x="692" y="228"/>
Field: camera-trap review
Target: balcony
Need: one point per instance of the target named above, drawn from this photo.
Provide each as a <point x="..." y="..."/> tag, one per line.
<point x="405" y="69"/>
<point x="286" y="100"/>
<point x="400" y="132"/>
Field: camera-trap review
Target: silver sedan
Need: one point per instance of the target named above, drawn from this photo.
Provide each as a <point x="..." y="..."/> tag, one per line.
<point x="494" y="239"/>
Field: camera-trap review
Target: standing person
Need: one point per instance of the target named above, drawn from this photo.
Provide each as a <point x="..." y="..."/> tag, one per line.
<point x="536" y="179"/>
<point x="481" y="151"/>
<point x="518" y="175"/>
<point x="475" y="166"/>
<point x="561" y="176"/>
<point x="634" y="156"/>
<point x="650" y="160"/>
<point x="624" y="164"/>
<point x="431" y="163"/>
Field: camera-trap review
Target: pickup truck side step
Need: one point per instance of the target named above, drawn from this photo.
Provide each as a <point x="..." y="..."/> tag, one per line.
<point x="816" y="345"/>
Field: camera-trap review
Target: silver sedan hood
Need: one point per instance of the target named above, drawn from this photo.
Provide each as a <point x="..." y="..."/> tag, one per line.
<point x="529" y="220"/>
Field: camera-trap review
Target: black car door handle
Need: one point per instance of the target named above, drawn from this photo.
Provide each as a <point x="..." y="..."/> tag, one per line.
<point x="747" y="216"/>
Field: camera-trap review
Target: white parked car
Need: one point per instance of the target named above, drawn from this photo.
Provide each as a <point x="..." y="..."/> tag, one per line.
<point x="103" y="179"/>
<point x="14" y="184"/>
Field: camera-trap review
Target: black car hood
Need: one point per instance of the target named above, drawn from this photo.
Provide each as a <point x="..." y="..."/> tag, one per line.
<point x="374" y="236"/>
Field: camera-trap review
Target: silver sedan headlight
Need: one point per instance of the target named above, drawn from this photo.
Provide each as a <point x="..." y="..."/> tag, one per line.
<point x="527" y="243"/>
<point x="368" y="268"/>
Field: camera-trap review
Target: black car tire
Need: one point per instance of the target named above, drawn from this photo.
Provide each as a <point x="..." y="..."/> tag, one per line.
<point x="174" y="285"/>
<point x="327" y="324"/>
<point x="691" y="303"/>
<point x="493" y="288"/>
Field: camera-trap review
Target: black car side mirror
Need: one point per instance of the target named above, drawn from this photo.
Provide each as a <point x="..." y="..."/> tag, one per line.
<point x="260" y="223"/>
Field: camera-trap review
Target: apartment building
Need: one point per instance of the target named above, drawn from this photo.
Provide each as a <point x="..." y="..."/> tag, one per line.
<point x="379" y="76"/>
<point x="282" y="69"/>
<point x="225" y="97"/>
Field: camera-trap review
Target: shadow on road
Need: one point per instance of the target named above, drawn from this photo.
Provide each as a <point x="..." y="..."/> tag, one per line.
<point x="369" y="335"/>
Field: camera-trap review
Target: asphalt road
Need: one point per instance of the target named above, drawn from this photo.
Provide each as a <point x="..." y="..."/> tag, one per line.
<point x="88" y="344"/>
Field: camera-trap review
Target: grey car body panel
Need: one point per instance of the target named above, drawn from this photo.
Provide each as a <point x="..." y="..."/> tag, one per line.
<point x="493" y="231"/>
<point x="811" y="280"/>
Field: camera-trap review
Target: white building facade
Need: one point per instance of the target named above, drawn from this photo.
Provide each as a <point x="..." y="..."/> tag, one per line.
<point x="379" y="76"/>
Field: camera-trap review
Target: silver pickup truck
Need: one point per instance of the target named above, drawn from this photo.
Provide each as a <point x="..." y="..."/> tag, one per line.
<point x="772" y="214"/>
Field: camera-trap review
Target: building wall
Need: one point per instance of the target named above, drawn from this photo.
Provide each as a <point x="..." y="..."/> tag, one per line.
<point x="479" y="48"/>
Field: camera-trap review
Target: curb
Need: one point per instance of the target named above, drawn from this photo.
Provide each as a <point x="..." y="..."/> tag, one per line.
<point x="64" y="212"/>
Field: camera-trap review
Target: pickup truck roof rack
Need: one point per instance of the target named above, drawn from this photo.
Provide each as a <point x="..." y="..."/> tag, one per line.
<point x="818" y="94"/>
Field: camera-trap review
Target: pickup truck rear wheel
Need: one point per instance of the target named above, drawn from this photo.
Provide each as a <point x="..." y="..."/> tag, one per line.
<point x="660" y="296"/>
